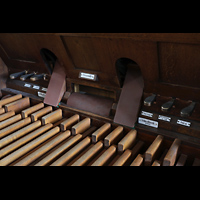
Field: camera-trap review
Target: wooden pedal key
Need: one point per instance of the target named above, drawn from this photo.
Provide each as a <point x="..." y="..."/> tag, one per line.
<point x="81" y="126"/>
<point x="101" y="132"/>
<point x="171" y="155"/>
<point x="138" y="160"/>
<point x="70" y="121"/>
<point x="52" y="117"/>
<point x="115" y="135"/>
<point x="13" y="127"/>
<point x="68" y="144"/>
<point x="14" y="136"/>
<point x="153" y="150"/>
<point x="106" y="156"/>
<point x="10" y="99"/>
<point x="10" y="121"/>
<point x="20" y="142"/>
<point x="128" y="155"/>
<point x="32" y="109"/>
<point x="39" y="152"/>
<point x="89" y="154"/>
<point x="40" y="113"/>
<point x="2" y="110"/>
<point x="127" y="141"/>
<point x="26" y="148"/>
<point x="72" y="152"/>
<point x="7" y="115"/>
<point x="18" y="105"/>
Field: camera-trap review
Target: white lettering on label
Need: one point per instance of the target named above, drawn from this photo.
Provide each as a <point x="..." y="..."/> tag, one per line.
<point x="87" y="76"/>
<point x="36" y="87"/>
<point x="164" y="118"/>
<point x="148" y="122"/>
<point x="27" y="85"/>
<point x="184" y="123"/>
<point x="44" y="89"/>
<point x="41" y="94"/>
<point x="148" y="114"/>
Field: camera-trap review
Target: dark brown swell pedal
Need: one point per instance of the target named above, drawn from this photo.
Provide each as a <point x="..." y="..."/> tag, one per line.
<point x="130" y="98"/>
<point x="57" y="85"/>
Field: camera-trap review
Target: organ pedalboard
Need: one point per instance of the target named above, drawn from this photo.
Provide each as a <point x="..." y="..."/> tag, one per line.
<point x="41" y="136"/>
<point x="72" y="104"/>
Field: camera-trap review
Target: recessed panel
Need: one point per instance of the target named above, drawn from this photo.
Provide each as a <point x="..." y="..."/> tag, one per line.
<point x="179" y="64"/>
<point x="19" y="47"/>
<point x="83" y="53"/>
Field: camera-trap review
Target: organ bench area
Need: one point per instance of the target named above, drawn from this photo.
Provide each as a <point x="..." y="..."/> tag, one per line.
<point x="80" y="99"/>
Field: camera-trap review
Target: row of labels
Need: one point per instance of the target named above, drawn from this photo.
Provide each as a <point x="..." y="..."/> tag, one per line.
<point x="37" y="87"/>
<point x="154" y="124"/>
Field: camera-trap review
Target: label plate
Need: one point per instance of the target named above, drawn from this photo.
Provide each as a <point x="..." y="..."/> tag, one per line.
<point x="164" y="118"/>
<point x="87" y="76"/>
<point x="44" y="89"/>
<point x="148" y="122"/>
<point x="148" y="114"/>
<point x="184" y="123"/>
<point x="41" y="94"/>
<point x="27" y="85"/>
<point x="36" y="87"/>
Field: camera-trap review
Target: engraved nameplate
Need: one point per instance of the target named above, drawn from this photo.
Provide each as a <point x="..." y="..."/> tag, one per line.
<point x="41" y="94"/>
<point x="148" y="114"/>
<point x="148" y="122"/>
<point x="44" y="89"/>
<point x="88" y="76"/>
<point x="36" y="87"/>
<point x="27" y="85"/>
<point x="164" y="118"/>
<point x="184" y="123"/>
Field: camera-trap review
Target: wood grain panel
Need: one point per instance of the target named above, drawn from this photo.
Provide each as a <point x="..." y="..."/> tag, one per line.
<point x="168" y="61"/>
<point x="3" y="74"/>
<point x="99" y="55"/>
<point x="83" y="53"/>
<point x="22" y="51"/>
<point x="180" y="64"/>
